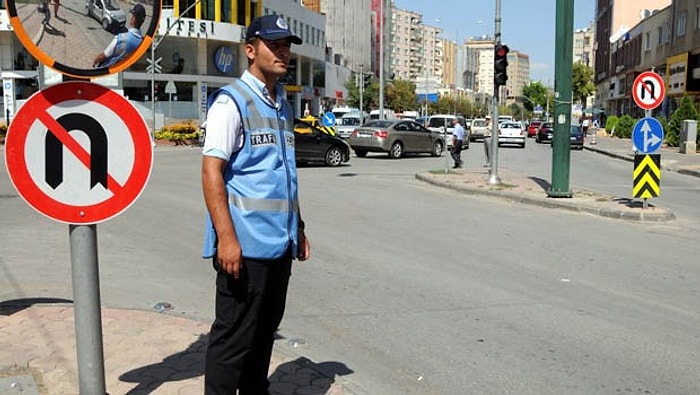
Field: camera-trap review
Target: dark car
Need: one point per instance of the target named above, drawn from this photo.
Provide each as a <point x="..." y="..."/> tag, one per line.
<point x="576" y="137"/>
<point x="396" y="137"/>
<point x="545" y="132"/>
<point x="532" y="127"/>
<point x="314" y="144"/>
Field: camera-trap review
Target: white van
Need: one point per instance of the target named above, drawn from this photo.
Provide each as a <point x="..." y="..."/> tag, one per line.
<point x="388" y="114"/>
<point x="349" y="122"/>
<point x="442" y="123"/>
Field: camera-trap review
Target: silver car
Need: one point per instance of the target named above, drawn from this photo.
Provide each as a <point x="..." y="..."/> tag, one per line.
<point x="108" y="13"/>
<point x="396" y="137"/>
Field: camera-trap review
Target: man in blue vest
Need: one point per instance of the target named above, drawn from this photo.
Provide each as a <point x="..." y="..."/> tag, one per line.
<point x="123" y="44"/>
<point x="254" y="227"/>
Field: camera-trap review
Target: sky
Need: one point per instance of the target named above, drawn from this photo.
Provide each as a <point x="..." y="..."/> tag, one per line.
<point x="527" y="26"/>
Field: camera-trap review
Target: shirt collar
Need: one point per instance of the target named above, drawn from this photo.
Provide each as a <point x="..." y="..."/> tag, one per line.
<point x="261" y="90"/>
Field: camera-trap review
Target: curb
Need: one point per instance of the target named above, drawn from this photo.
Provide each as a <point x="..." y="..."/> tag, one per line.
<point x="547" y="202"/>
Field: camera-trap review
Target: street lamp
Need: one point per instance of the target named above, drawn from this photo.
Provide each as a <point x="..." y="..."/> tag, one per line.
<point x="154" y="44"/>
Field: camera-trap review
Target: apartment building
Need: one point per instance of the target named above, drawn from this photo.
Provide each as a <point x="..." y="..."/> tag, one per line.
<point x="615" y="49"/>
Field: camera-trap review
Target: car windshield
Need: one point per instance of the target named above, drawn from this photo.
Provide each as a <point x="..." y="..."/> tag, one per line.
<point x="576" y="130"/>
<point x="479" y="123"/>
<point x="350" y="121"/>
<point x="510" y="125"/>
<point x="436" y="122"/>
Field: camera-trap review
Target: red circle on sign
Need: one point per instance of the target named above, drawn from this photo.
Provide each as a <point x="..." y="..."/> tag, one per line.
<point x="36" y="110"/>
<point x="649" y="83"/>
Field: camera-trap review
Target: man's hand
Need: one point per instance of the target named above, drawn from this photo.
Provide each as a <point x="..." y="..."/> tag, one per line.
<point x="230" y="257"/>
<point x="304" y="248"/>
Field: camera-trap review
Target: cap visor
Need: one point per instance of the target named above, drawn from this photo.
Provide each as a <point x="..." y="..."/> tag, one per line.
<point x="279" y="36"/>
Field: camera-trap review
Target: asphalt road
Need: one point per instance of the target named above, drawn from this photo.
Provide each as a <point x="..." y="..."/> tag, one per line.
<point x="417" y="289"/>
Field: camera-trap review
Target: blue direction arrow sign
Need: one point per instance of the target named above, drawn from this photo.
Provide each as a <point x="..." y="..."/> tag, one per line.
<point x="328" y="119"/>
<point x="647" y="135"/>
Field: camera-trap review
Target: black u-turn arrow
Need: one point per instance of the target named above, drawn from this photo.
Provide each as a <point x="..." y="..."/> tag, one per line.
<point x="53" y="150"/>
<point x="650" y="87"/>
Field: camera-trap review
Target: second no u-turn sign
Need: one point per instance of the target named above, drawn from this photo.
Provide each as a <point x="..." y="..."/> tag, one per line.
<point x="79" y="153"/>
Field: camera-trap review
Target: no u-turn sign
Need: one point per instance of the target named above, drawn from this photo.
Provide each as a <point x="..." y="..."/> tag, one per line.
<point x="78" y="153"/>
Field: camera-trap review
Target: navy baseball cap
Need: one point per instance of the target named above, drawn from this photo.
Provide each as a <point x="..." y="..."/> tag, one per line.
<point x="139" y="11"/>
<point x="271" y="27"/>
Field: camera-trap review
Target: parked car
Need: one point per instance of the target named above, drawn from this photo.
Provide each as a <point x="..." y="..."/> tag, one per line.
<point x="396" y="137"/>
<point x="479" y="129"/>
<point x="108" y="13"/>
<point x="315" y="144"/>
<point x="443" y="124"/>
<point x="532" y="128"/>
<point x="576" y="137"/>
<point x="511" y="133"/>
<point x="545" y="132"/>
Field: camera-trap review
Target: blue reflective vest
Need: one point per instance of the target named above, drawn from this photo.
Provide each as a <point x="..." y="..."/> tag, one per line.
<point x="261" y="179"/>
<point x="126" y="44"/>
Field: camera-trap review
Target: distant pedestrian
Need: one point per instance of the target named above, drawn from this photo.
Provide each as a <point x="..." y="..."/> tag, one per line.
<point x="43" y="8"/>
<point x="585" y="124"/>
<point x="457" y="140"/>
<point x="56" y="4"/>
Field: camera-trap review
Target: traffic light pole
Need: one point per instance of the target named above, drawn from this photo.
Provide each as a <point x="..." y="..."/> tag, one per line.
<point x="493" y="173"/>
<point x="561" y="149"/>
<point x="362" y="91"/>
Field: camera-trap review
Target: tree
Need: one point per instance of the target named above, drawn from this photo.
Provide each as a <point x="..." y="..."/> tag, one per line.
<point x="369" y="97"/>
<point x="685" y="111"/>
<point x="582" y="84"/>
<point x="537" y="93"/>
<point x="401" y="95"/>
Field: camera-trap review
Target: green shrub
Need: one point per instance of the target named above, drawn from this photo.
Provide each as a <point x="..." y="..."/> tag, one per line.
<point x="685" y="111"/>
<point x="624" y="127"/>
<point x="610" y="123"/>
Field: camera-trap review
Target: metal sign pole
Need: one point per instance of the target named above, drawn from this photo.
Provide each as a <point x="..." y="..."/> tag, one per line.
<point x="86" y="305"/>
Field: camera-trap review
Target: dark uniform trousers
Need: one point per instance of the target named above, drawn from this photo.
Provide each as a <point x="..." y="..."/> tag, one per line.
<point x="457" y="153"/>
<point x="248" y="312"/>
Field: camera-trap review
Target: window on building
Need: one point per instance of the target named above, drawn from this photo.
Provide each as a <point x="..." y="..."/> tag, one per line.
<point x="681" y="24"/>
<point x="697" y="17"/>
<point x="660" y="34"/>
<point x="647" y="41"/>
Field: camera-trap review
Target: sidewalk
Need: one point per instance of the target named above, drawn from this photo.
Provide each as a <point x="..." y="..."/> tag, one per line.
<point x="144" y="353"/>
<point x="156" y="353"/>
<point x="671" y="159"/>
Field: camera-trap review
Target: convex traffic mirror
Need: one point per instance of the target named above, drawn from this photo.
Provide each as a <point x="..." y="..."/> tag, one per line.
<point x="85" y="38"/>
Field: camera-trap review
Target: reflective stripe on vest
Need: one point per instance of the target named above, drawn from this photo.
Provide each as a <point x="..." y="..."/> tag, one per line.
<point x="250" y="204"/>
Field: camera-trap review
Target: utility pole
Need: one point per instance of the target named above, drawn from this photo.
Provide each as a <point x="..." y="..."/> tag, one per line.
<point x="381" y="59"/>
<point x="362" y="90"/>
<point x="563" y="95"/>
<point x="493" y="173"/>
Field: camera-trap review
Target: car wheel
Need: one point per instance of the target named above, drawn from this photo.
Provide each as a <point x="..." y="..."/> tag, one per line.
<point x="466" y="144"/>
<point x="360" y="153"/>
<point x="437" y="148"/>
<point x="537" y="140"/>
<point x="396" y="150"/>
<point x="105" y="24"/>
<point x="334" y="157"/>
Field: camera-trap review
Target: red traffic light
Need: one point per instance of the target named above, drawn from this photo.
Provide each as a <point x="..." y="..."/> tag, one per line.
<point x="502" y="50"/>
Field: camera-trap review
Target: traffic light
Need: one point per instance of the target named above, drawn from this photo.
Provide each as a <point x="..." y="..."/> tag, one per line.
<point x="367" y="80"/>
<point x="500" y="65"/>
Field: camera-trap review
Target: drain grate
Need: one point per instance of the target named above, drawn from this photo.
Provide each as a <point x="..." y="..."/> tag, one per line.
<point x="7" y="196"/>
